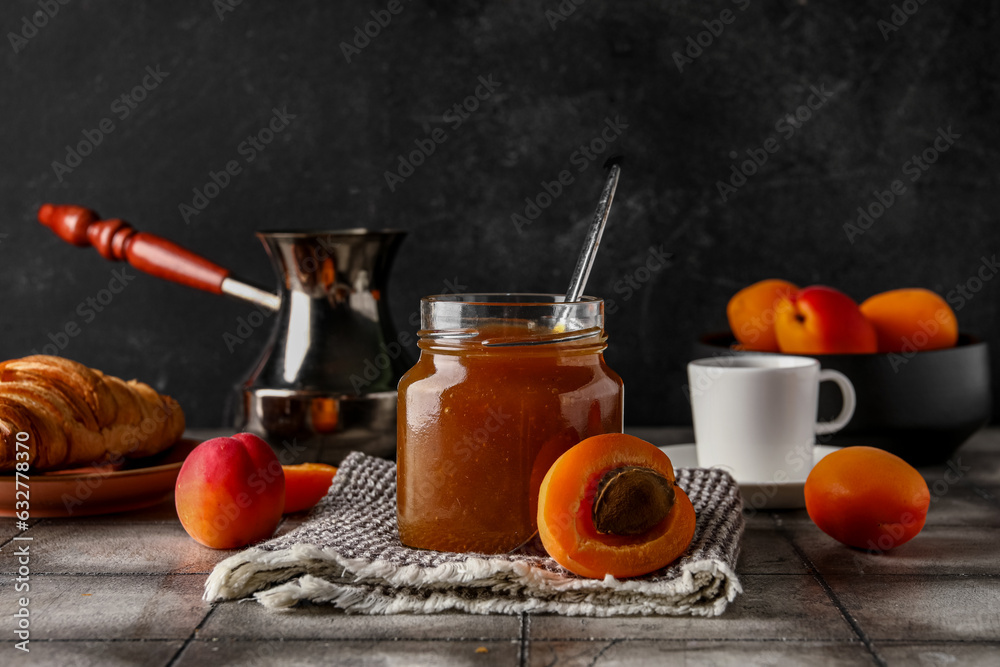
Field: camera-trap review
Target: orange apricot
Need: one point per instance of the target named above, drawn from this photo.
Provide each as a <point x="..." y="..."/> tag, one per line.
<point x="822" y="320"/>
<point x="751" y="313"/>
<point x="867" y="498"/>
<point x="306" y="484"/>
<point x="610" y="505"/>
<point x="911" y="319"/>
<point x="230" y="491"/>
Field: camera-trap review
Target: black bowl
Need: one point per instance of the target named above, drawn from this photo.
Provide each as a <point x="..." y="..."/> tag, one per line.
<point x="920" y="406"/>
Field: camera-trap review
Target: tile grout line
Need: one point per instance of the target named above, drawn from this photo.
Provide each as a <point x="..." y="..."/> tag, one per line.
<point x="984" y="494"/>
<point x="712" y="640"/>
<point x="102" y="640"/>
<point x="604" y="650"/>
<point x="523" y="632"/>
<point x="825" y="585"/>
<point x="565" y="640"/>
<point x="483" y="640"/>
<point x="886" y="575"/>
<point x="190" y="638"/>
<point x="88" y="521"/>
<point x="20" y="532"/>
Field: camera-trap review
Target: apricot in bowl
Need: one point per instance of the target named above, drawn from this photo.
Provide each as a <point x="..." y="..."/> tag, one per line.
<point x="922" y="387"/>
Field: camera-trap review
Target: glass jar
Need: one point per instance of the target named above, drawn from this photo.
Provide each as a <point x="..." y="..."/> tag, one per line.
<point x="505" y="384"/>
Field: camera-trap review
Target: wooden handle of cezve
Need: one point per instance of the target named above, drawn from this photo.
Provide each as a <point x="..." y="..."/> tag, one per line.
<point x="117" y="240"/>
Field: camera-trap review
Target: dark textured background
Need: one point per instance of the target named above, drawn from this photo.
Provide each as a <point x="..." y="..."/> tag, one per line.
<point x="558" y="87"/>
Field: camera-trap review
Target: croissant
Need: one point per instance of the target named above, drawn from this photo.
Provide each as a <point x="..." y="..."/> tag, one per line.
<point x="74" y="415"/>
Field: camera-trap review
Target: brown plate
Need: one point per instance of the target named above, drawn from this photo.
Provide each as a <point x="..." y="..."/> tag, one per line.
<point x="87" y="491"/>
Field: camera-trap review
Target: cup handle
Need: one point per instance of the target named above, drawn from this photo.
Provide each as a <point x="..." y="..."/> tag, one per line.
<point x="850" y="401"/>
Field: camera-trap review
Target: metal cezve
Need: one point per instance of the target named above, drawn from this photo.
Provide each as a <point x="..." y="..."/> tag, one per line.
<point x="325" y="384"/>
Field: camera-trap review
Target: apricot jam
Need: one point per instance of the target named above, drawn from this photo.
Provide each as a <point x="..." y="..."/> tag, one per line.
<point x="505" y="384"/>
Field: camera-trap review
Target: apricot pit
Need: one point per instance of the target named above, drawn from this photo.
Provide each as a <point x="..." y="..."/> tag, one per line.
<point x="631" y="500"/>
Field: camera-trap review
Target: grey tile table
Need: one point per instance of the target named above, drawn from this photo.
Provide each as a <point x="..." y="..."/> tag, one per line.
<point x="125" y="589"/>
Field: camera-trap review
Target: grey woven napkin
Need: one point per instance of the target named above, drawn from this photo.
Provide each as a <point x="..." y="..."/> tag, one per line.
<point x="348" y="554"/>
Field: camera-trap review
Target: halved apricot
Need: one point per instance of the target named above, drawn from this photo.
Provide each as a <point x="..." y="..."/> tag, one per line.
<point x="306" y="484"/>
<point x="610" y="505"/>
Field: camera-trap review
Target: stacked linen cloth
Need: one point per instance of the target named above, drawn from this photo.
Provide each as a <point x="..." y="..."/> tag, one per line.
<point x="348" y="554"/>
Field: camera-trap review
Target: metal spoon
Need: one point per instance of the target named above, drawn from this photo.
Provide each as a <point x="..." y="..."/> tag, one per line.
<point x="589" y="251"/>
<point x="586" y="261"/>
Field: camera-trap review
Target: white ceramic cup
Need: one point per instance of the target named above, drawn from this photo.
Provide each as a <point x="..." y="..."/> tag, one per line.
<point x="755" y="415"/>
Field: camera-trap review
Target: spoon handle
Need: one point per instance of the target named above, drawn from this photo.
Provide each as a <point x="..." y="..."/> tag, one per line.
<point x="594" y="233"/>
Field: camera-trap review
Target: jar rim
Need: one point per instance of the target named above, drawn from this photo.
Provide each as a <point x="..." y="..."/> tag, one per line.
<point x="501" y="319"/>
<point x="508" y="299"/>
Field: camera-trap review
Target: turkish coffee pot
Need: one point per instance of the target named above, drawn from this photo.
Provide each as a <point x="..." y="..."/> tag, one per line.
<point x="326" y="383"/>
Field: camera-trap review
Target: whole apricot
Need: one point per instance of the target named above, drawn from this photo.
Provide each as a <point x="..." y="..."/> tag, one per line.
<point x="910" y="320"/>
<point x="867" y="498"/>
<point x="822" y="320"/>
<point x="230" y="492"/>
<point x="752" y="310"/>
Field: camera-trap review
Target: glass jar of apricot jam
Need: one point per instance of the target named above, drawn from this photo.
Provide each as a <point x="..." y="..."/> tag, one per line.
<point x="505" y="384"/>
